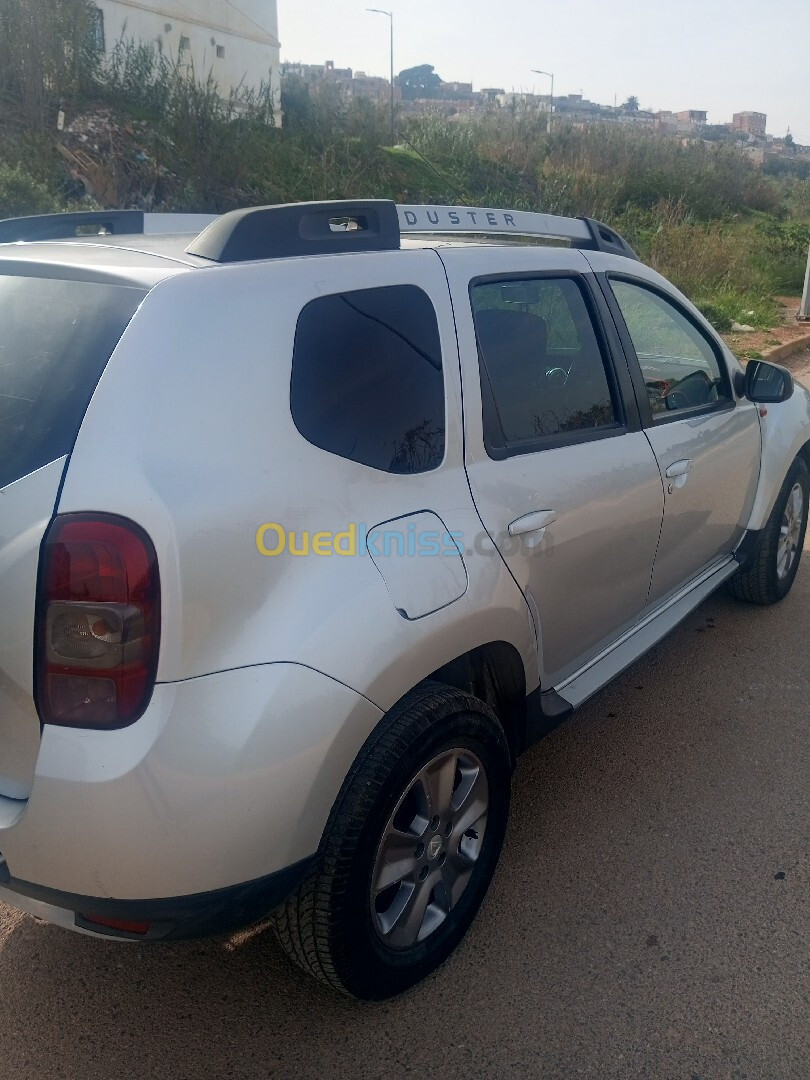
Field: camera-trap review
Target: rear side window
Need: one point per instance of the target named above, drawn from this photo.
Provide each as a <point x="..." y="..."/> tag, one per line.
<point x="55" y="339"/>
<point x="367" y="381"/>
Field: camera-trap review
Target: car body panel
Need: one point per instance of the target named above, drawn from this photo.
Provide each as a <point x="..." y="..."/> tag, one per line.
<point x="26" y="509"/>
<point x="785" y="432"/>
<point x="707" y="509"/>
<point x="202" y="497"/>
<point x="222" y="780"/>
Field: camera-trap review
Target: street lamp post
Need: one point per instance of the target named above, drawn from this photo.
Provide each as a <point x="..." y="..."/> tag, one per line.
<point x="551" y="99"/>
<point x="390" y="17"/>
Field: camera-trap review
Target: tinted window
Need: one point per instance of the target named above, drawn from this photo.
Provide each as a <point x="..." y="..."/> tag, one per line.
<point x="55" y="339"/>
<point x="367" y="379"/>
<point x="680" y="367"/>
<point x="542" y="370"/>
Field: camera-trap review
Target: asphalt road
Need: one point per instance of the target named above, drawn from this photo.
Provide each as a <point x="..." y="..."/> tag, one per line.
<point x="650" y="916"/>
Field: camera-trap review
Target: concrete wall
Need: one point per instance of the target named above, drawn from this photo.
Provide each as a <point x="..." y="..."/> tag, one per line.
<point x="238" y="47"/>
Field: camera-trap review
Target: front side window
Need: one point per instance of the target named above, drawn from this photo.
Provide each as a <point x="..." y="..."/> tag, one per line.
<point x="680" y="367"/>
<point x="543" y="373"/>
<point x="367" y="380"/>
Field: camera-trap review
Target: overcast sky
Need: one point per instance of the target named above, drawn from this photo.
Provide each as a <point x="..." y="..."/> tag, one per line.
<point x="725" y="56"/>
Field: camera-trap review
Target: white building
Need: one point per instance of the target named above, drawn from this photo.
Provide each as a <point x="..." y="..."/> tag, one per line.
<point x="237" y="42"/>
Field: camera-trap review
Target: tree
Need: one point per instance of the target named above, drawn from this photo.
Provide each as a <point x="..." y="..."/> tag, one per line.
<point x="631" y="105"/>
<point x="48" y="52"/>
<point x="419" y="82"/>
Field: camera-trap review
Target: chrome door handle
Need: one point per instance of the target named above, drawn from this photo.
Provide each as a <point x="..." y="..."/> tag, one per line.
<point x="678" y="473"/>
<point x="536" y="522"/>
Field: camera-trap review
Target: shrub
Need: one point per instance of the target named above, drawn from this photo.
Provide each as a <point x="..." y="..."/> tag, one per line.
<point x="22" y="194"/>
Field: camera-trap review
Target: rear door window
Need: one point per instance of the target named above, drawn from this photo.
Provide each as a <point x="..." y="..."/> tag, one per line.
<point x="56" y="337"/>
<point x="544" y="380"/>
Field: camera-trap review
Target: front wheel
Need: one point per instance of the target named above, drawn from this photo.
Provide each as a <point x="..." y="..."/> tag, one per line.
<point x="775" y="561"/>
<point x="410" y="849"/>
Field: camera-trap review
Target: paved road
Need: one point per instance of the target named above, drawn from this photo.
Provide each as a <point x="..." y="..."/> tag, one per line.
<point x="650" y="918"/>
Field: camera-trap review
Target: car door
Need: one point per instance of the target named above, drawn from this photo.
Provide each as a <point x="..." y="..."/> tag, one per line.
<point x="564" y="480"/>
<point x="706" y="441"/>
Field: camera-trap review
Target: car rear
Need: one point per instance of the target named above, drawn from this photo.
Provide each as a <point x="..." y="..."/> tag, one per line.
<point x="56" y="336"/>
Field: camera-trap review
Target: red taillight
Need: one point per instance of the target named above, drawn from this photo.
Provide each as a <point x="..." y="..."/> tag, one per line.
<point x="98" y="622"/>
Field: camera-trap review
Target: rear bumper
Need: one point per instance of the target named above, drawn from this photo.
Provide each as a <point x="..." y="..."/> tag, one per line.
<point x="225" y="779"/>
<point x="169" y="919"/>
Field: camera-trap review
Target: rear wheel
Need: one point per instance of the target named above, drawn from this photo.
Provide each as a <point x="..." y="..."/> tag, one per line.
<point x="410" y="849"/>
<point x="776" y="558"/>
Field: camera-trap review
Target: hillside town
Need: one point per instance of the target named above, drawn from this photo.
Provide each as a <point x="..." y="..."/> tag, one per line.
<point x="240" y="47"/>
<point x="420" y="92"/>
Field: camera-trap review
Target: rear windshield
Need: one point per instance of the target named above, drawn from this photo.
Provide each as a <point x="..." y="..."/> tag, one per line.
<point x="55" y="338"/>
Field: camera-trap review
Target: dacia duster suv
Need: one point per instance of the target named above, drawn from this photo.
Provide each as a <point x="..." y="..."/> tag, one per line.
<point x="312" y="519"/>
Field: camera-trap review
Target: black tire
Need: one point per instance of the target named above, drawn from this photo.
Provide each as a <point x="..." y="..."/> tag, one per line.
<point x="330" y="927"/>
<point x="761" y="581"/>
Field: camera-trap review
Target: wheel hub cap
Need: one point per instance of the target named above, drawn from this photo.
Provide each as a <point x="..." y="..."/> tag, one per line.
<point x="429" y="848"/>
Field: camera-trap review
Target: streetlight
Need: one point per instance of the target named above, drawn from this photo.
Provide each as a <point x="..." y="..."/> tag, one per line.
<point x="551" y="99"/>
<point x="390" y="17"/>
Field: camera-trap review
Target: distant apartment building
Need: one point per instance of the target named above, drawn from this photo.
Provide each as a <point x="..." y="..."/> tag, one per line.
<point x="689" y="118"/>
<point x="237" y="44"/>
<point x="750" y="123"/>
<point x="348" y="83"/>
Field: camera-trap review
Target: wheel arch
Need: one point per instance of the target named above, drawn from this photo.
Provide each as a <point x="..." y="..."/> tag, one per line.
<point x="493" y="672"/>
<point x="784" y="438"/>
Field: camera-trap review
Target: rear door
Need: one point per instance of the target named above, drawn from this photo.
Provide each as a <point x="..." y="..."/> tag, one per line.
<point x="706" y="441"/>
<point x="55" y="338"/>
<point x="563" y="477"/>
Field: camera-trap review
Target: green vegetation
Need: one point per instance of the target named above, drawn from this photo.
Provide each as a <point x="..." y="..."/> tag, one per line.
<point x="732" y="236"/>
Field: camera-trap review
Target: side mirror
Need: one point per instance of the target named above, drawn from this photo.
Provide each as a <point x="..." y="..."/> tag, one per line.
<point x="767" y="384"/>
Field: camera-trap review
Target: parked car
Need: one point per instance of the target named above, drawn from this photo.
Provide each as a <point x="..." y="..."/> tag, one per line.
<point x="312" y="519"/>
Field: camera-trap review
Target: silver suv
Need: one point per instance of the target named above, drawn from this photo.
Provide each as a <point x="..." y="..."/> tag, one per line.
<point x="312" y="519"/>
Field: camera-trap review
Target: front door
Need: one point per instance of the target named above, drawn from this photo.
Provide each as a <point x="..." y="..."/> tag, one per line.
<point x="566" y="485"/>
<point x="707" y="443"/>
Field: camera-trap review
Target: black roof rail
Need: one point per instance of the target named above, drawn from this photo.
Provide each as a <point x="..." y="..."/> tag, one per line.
<point x="71" y="226"/>
<point x="310" y="228"/>
<point x="608" y="240"/>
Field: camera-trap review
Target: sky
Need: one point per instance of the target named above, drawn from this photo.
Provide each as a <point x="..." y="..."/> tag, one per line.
<point x="724" y="56"/>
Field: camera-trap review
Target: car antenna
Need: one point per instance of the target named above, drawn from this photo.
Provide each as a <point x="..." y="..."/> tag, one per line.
<point x="433" y="168"/>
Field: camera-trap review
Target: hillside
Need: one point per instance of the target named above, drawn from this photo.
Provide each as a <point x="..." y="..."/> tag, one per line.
<point x="136" y="131"/>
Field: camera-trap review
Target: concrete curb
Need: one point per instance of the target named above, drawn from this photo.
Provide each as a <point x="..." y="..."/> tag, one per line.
<point x="782" y="352"/>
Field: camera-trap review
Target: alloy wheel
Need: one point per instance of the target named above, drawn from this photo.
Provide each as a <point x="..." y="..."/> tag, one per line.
<point x="429" y="848"/>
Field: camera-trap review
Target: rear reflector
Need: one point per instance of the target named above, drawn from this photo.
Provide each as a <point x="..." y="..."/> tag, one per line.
<point x="117" y="924"/>
<point x="98" y="622"/>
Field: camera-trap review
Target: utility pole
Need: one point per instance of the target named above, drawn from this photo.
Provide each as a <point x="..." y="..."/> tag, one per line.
<point x="390" y="16"/>
<point x="804" y="310"/>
